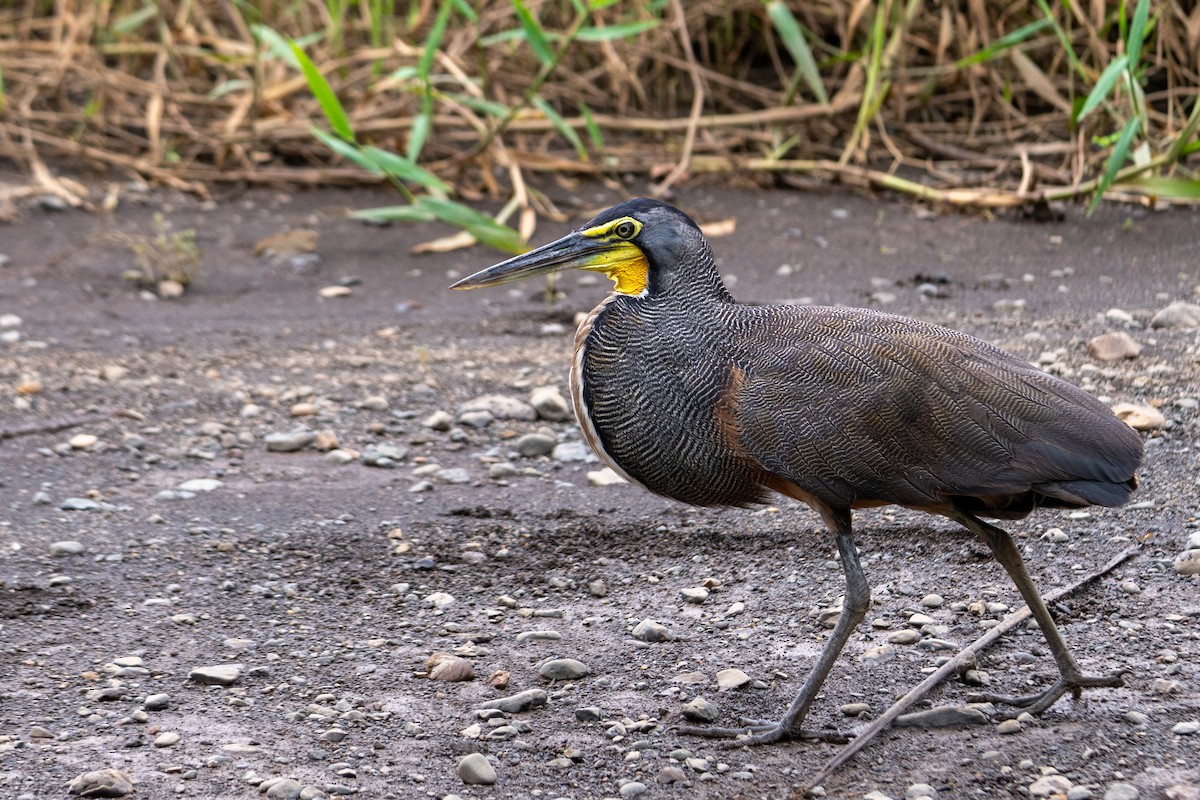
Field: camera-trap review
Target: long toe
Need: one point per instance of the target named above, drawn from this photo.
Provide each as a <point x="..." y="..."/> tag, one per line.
<point x="1040" y="701"/>
<point x="757" y="732"/>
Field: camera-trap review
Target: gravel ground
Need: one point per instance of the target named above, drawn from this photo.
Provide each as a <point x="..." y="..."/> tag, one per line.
<point x="307" y="534"/>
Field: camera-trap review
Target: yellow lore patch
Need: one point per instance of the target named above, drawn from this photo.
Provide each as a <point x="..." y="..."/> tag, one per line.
<point x="624" y="264"/>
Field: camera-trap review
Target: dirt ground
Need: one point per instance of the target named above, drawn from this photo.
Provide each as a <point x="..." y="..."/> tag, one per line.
<point x="322" y="580"/>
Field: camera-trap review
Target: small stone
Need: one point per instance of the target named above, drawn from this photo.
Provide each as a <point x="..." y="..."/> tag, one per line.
<point x="476" y="419"/>
<point x="286" y="789"/>
<point x="571" y="452"/>
<point x="942" y="717"/>
<point x="521" y="701"/>
<point x="200" y="485"/>
<point x="304" y="409"/>
<point x="157" y="702"/>
<point x="1009" y="726"/>
<point x="932" y="601"/>
<point x="1136" y="718"/>
<point x="449" y="668"/>
<point x="694" y="594"/>
<point x="920" y="790"/>
<point x="166" y="739"/>
<point x="905" y="636"/>
<point x="1177" y="315"/>
<point x="66" y="548"/>
<point x="671" y="774"/>
<point x="1121" y="791"/>
<point x="633" y="789"/>
<point x="1113" y="347"/>
<point x="700" y="710"/>
<point x="1049" y="785"/>
<point x="650" y="631"/>
<point x="563" y="669"/>
<point x="732" y="678"/>
<point x="1186" y="728"/>
<point x="335" y="291"/>
<point x="878" y="655"/>
<point x="855" y="709"/>
<point x="218" y="675"/>
<point x="453" y="475"/>
<point x="439" y="421"/>
<point x="102" y="783"/>
<point x="374" y="403"/>
<point x="79" y="504"/>
<point x="290" y="441"/>
<point x="83" y="441"/>
<point x="605" y="477"/>
<point x="549" y="404"/>
<point x="532" y="445"/>
<point x="1080" y="793"/>
<point x="325" y="441"/>
<point x="501" y="407"/>
<point x="1188" y="562"/>
<point x="439" y="600"/>
<point x="476" y="770"/>
<point x="1140" y="418"/>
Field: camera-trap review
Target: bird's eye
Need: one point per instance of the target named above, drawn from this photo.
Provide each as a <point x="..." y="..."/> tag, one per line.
<point x="625" y="230"/>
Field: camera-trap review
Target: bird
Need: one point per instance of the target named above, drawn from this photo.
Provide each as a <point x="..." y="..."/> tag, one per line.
<point x="694" y="396"/>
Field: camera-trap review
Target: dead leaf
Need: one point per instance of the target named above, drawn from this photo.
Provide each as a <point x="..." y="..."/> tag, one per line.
<point x="455" y="241"/>
<point x="719" y="227"/>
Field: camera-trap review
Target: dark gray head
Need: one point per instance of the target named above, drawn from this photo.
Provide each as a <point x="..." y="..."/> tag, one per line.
<point x="647" y="248"/>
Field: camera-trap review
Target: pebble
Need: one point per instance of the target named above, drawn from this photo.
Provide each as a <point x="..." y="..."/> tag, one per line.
<point x="166" y="739"/>
<point x="439" y="421"/>
<point x="1049" y="785"/>
<point x="476" y="770"/>
<point x="157" y="702"/>
<point x="66" y="548"/>
<point x="671" y="774"/>
<point x="933" y="601"/>
<point x="694" y="594"/>
<point x="383" y="455"/>
<point x="521" y="701"/>
<point x="535" y="444"/>
<point x="549" y="404"/>
<point x="572" y="452"/>
<point x="450" y="668"/>
<point x="83" y="441"/>
<point x="942" y="717"/>
<point x="854" y="709"/>
<point x="335" y="291"/>
<point x="650" y="631"/>
<point x="286" y="789"/>
<point x="1121" y="791"/>
<point x="476" y="419"/>
<point x="290" y="441"/>
<point x="1113" y="347"/>
<point x="1193" y="542"/>
<point x="79" y="504"/>
<point x="906" y="636"/>
<point x="200" y="485"/>
<point x="1009" y="726"/>
<point x="102" y="783"/>
<point x="1080" y="793"/>
<point x="732" y="678"/>
<point x="920" y="790"/>
<point x="563" y="669"/>
<point x="1140" y="418"/>
<point x="633" y="789"/>
<point x="456" y="475"/>
<point x="605" y="477"/>
<point x="700" y="710"/>
<point x="1186" y="563"/>
<point x="878" y="655"/>
<point x="218" y="675"/>
<point x="500" y="406"/>
<point x="1177" y="315"/>
<point x="304" y="410"/>
<point x="374" y="403"/>
<point x="1186" y="728"/>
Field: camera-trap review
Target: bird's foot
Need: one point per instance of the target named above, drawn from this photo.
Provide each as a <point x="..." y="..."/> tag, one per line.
<point x="1038" y="702"/>
<point x="755" y="732"/>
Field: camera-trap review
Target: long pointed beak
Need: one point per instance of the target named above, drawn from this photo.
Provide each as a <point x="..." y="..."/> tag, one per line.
<point x="572" y="251"/>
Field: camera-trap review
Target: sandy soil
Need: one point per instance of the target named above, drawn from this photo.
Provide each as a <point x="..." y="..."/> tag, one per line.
<point x="316" y="577"/>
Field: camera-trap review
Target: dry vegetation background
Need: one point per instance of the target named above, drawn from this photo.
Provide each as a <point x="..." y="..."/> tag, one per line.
<point x="978" y="102"/>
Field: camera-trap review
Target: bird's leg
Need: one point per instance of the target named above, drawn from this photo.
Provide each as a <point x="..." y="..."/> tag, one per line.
<point x="854" y="608"/>
<point x="1070" y="676"/>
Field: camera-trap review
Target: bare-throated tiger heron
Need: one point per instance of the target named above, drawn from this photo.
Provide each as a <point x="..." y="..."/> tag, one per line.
<point x="694" y="396"/>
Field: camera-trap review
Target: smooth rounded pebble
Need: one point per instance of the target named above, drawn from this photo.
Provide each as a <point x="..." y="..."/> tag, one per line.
<point x="1121" y="791"/>
<point x="1113" y="347"/>
<point x="521" y="701"/>
<point x="102" y="783"/>
<point x="942" y="717"/>
<point x="699" y="710"/>
<point x="732" y="678"/>
<point x="476" y="770"/>
<point x="1049" y="786"/>
<point x="1186" y="728"/>
<point x="563" y="669"/>
<point x="633" y="789"/>
<point x="290" y="441"/>
<point x="157" y="702"/>
<point x="166" y="739"/>
<point x="218" y="675"/>
<point x="1140" y="418"/>
<point x="1188" y="562"/>
<point x="549" y="404"/>
<point x="500" y="406"/>
<point x="286" y="789"/>
<point x="67" y="548"/>
<point x="650" y="631"/>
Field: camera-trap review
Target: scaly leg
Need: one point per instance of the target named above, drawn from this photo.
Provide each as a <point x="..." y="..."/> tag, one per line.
<point x="1070" y="676"/>
<point x="854" y="608"/>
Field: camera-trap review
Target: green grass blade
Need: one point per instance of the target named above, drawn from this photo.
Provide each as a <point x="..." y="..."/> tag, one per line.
<point x="793" y="39"/>
<point x="481" y="226"/>
<point x="534" y="34"/>
<point x="394" y="214"/>
<point x="589" y="123"/>
<point x="134" y="20"/>
<point x="489" y="107"/>
<point x="434" y="41"/>
<point x="347" y="150"/>
<point x="561" y="126"/>
<point x="403" y="168"/>
<point x="600" y="5"/>
<point x="464" y="8"/>
<point x="1183" y="144"/>
<point x="422" y="124"/>
<point x="1137" y="33"/>
<point x="625" y="30"/>
<point x="1171" y="188"/>
<point x="1019" y="36"/>
<point x="276" y="45"/>
<point x="1116" y="160"/>
<point x="3" y="101"/>
<point x="1104" y="85"/>
<point x="325" y="95"/>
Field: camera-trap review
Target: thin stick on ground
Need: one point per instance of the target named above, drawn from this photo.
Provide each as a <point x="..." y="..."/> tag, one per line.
<point x="924" y="687"/>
